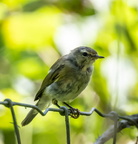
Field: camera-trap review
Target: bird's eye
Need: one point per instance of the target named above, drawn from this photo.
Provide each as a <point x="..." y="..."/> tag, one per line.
<point x="84" y="54"/>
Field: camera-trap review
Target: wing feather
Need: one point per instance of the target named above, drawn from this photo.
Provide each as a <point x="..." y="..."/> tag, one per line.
<point x="51" y="77"/>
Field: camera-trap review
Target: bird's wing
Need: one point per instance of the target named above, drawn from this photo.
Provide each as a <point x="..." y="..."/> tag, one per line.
<point x="51" y="77"/>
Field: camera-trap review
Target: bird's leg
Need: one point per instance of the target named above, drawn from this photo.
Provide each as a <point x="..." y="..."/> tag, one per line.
<point x="55" y="102"/>
<point x="74" y="113"/>
<point x="67" y="105"/>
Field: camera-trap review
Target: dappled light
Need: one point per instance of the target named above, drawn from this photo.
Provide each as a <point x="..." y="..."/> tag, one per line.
<point x="34" y="34"/>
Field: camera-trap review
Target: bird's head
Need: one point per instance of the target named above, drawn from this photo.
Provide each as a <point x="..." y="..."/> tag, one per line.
<point x="85" y="56"/>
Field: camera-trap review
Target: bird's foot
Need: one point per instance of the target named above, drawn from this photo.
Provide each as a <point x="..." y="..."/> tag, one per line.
<point x="74" y="113"/>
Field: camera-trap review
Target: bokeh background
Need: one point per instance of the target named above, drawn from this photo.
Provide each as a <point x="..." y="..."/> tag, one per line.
<point x="35" y="33"/>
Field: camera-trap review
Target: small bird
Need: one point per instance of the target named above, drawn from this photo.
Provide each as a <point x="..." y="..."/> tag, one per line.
<point x="66" y="79"/>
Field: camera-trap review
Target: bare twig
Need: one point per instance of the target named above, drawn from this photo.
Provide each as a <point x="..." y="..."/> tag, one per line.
<point x="129" y="121"/>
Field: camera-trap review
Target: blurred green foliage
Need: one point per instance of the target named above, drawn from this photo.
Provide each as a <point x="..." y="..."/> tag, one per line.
<point x="30" y="32"/>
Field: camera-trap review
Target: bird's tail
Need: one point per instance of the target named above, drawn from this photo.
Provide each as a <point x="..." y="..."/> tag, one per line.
<point x="30" y="116"/>
<point x="42" y="104"/>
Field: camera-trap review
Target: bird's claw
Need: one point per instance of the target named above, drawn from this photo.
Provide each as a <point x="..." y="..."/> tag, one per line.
<point x="74" y="113"/>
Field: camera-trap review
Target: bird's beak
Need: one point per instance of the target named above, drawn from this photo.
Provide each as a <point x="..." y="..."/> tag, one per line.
<point x="97" y="56"/>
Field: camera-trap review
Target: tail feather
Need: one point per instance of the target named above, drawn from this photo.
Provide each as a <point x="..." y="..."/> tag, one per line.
<point x="30" y="116"/>
<point x="43" y="103"/>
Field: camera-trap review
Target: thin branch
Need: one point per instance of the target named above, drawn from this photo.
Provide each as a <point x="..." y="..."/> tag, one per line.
<point x="120" y="126"/>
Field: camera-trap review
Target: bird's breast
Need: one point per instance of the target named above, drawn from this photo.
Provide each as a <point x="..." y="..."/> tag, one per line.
<point x="68" y="86"/>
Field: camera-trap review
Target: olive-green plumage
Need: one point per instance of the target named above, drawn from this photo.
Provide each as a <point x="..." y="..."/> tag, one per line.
<point x="67" y="78"/>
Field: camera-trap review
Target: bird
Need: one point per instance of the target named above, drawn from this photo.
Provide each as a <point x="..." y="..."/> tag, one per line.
<point x="66" y="79"/>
